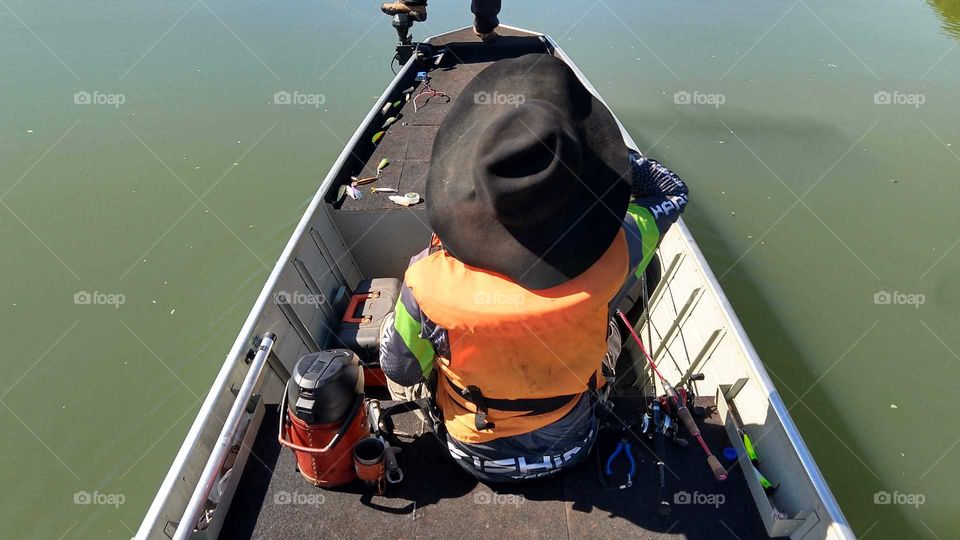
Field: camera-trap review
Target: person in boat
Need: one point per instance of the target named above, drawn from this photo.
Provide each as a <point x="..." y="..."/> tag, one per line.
<point x="542" y="221"/>
<point x="485" y="13"/>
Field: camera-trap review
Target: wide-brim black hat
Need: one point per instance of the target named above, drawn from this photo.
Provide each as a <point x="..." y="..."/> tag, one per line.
<point x="529" y="174"/>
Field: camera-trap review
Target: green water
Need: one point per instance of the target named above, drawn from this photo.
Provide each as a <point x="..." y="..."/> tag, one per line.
<point x="96" y="397"/>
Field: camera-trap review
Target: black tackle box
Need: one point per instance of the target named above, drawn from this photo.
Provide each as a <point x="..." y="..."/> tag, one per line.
<point x="371" y="303"/>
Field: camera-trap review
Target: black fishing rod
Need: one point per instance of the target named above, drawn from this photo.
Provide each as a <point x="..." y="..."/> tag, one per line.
<point x="682" y="411"/>
<point x="659" y="420"/>
<point x="663" y="507"/>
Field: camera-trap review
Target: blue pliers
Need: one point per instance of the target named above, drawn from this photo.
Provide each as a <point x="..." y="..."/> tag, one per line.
<point x="622" y="446"/>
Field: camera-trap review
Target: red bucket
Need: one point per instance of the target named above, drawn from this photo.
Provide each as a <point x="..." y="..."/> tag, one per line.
<point x="324" y="451"/>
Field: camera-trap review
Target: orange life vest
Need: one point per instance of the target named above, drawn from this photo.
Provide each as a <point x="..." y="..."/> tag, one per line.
<point x="510" y="343"/>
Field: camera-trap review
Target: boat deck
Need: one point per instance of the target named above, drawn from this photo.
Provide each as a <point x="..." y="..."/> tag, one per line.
<point x="438" y="500"/>
<point x="408" y="143"/>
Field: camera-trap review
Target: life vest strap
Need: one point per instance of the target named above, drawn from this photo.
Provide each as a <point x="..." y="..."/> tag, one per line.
<point x="532" y="406"/>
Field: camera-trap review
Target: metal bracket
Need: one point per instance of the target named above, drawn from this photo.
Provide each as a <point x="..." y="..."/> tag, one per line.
<point x="730" y="391"/>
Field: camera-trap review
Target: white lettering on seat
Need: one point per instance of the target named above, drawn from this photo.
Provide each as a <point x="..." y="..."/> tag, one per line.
<point x="527" y="468"/>
<point x="569" y="454"/>
<point x="517" y="467"/>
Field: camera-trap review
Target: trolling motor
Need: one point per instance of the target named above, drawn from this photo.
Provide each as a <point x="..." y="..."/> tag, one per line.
<point x="403" y="23"/>
<point x="406" y="47"/>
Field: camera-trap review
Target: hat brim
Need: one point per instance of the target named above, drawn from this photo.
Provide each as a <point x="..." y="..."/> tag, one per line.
<point x="562" y="247"/>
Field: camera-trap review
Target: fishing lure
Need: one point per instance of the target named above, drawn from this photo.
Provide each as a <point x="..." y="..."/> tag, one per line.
<point x="409" y="199"/>
<point x="748" y="446"/>
<point x="767" y="486"/>
<point x="363" y="181"/>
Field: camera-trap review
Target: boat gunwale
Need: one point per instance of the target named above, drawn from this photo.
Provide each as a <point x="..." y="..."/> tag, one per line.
<point x="242" y="343"/>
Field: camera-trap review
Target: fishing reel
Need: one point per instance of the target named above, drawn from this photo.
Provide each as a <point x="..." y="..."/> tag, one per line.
<point x="669" y="428"/>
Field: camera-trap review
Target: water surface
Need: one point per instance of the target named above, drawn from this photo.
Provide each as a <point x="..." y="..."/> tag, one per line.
<point x="811" y="196"/>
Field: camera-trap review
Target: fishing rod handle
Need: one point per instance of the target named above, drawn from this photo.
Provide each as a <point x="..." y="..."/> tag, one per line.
<point x="687" y="419"/>
<point x="718" y="471"/>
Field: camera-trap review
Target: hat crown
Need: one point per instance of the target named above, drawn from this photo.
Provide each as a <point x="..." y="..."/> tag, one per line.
<point x="529" y="188"/>
<point x="530" y="159"/>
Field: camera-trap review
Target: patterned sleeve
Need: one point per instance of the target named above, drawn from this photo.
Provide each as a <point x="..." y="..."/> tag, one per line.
<point x="659" y="197"/>
<point x="411" y="341"/>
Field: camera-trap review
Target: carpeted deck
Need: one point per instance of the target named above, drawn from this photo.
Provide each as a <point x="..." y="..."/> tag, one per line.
<point x="407" y="144"/>
<point x="438" y="500"/>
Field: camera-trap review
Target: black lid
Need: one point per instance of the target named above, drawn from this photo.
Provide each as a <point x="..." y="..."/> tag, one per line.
<point x="324" y="386"/>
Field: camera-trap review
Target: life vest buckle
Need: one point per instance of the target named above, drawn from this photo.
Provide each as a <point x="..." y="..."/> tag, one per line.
<point x="473" y="395"/>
